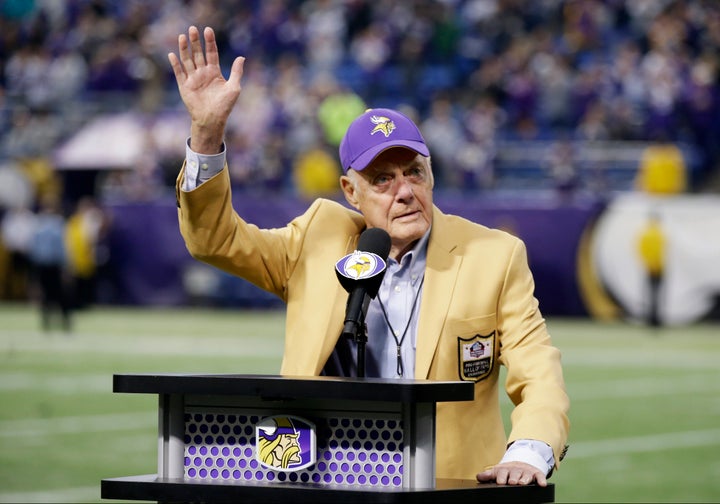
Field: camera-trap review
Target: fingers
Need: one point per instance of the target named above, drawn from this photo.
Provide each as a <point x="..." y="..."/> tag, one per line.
<point x="198" y="57"/>
<point x="211" y="51"/>
<point x="176" y="67"/>
<point x="515" y="477"/>
<point x="509" y="475"/>
<point x="184" y="53"/>
<point x="190" y="49"/>
<point x="486" y="476"/>
<point x="540" y="479"/>
<point x="192" y="57"/>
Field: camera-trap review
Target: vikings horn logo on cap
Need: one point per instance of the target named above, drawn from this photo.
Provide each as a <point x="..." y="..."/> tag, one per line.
<point x="382" y="125"/>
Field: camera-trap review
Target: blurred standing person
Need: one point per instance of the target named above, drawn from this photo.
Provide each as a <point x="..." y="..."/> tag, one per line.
<point x="17" y="232"/>
<point x="562" y="167"/>
<point x="651" y="247"/>
<point x="84" y="230"/>
<point x="662" y="169"/>
<point x="48" y="257"/>
<point x="445" y="138"/>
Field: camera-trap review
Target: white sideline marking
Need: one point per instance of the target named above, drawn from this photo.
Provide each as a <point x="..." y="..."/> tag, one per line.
<point x="34" y="427"/>
<point x="142" y="344"/>
<point x="78" y="494"/>
<point x="639" y="444"/>
<point x="655" y="358"/>
<point x="68" y="384"/>
<point x="643" y="387"/>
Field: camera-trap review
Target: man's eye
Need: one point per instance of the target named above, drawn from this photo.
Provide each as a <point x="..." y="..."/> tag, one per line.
<point x="382" y="179"/>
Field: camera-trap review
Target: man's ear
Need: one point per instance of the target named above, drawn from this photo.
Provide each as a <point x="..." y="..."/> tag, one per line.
<point x="349" y="189"/>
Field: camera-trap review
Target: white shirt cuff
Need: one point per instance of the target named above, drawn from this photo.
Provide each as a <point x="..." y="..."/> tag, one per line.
<point x="201" y="167"/>
<point x="530" y="451"/>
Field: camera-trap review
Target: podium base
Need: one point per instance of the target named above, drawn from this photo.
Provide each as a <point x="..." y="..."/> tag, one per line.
<point x="152" y="488"/>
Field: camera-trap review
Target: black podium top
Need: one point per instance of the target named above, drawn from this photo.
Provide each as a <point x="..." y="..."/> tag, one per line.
<point x="151" y="488"/>
<point x="272" y="387"/>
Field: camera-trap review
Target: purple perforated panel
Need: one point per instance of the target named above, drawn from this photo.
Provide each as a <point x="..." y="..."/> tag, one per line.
<point x="354" y="451"/>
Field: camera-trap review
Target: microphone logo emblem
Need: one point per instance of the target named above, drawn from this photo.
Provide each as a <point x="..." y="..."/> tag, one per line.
<point x="360" y="265"/>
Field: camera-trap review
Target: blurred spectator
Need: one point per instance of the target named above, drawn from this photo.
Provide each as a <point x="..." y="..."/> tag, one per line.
<point x="476" y="157"/>
<point x="325" y="29"/>
<point x="18" y="228"/>
<point x="16" y="187"/>
<point x="662" y="170"/>
<point x="621" y="70"/>
<point x="593" y="125"/>
<point x="85" y="229"/>
<point x="651" y="248"/>
<point x="316" y="173"/>
<point x="33" y="133"/>
<point x="336" y="112"/>
<point x="48" y="257"/>
<point x="444" y="136"/>
<point x="563" y="168"/>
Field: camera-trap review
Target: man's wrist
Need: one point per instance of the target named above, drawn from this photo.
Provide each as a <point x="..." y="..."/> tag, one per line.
<point x="535" y="453"/>
<point x="205" y="140"/>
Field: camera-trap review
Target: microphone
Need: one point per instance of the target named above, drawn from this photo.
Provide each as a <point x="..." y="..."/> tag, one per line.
<point x="361" y="274"/>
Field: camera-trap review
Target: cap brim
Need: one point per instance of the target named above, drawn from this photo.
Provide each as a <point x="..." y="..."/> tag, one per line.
<point x="364" y="159"/>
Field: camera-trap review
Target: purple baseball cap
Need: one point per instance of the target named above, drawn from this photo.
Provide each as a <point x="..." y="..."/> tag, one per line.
<point x="376" y="131"/>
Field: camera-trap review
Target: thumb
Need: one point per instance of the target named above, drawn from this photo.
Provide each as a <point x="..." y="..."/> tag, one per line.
<point x="486" y="475"/>
<point x="236" y="72"/>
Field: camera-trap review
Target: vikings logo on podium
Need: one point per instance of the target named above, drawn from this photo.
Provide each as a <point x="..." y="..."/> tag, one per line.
<point x="285" y="443"/>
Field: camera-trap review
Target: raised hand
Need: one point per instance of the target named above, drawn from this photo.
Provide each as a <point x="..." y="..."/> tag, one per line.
<point x="208" y="97"/>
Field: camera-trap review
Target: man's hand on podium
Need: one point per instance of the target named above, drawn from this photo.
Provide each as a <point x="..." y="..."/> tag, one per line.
<point x="513" y="473"/>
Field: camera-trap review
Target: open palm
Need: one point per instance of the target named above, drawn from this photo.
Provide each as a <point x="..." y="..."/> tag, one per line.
<point x="208" y="96"/>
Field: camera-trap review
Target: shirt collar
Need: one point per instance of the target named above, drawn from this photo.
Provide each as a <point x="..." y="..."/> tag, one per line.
<point x="415" y="257"/>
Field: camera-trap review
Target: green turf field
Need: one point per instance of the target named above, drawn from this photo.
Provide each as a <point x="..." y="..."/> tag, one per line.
<point x="645" y="405"/>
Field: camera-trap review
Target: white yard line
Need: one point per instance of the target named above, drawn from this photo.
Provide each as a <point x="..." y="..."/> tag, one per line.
<point x="139" y="344"/>
<point x="649" y="443"/>
<point x="78" y="494"/>
<point x="47" y="427"/>
<point x="644" y="387"/>
<point x="659" y="358"/>
<point x="63" y="384"/>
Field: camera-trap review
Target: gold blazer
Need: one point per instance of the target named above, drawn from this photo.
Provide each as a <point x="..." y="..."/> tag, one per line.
<point x="477" y="312"/>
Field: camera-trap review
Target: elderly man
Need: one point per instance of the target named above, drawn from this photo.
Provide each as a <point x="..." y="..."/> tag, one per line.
<point x="456" y="301"/>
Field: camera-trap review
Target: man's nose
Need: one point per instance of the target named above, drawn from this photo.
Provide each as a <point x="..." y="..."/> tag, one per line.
<point x="404" y="189"/>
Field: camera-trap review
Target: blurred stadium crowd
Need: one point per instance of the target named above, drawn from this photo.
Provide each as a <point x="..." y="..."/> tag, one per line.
<point x="479" y="76"/>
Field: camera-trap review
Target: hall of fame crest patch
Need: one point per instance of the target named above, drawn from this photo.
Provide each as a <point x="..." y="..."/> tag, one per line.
<point x="476" y="356"/>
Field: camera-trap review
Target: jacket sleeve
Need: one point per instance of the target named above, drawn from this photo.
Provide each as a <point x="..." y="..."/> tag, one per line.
<point x="535" y="381"/>
<point x="215" y="234"/>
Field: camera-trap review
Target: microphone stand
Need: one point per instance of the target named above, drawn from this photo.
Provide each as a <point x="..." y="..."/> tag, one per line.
<point x="361" y="340"/>
<point x="357" y="331"/>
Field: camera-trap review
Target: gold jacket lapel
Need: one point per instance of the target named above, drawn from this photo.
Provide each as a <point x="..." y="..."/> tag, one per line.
<point x="441" y="273"/>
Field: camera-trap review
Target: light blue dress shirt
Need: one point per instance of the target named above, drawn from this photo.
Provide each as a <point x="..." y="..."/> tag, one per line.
<point x="392" y="317"/>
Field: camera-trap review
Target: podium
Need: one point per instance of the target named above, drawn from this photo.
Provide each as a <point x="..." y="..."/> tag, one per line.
<point x="283" y="439"/>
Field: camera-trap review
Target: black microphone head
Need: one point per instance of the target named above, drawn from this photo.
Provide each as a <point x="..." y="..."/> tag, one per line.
<point x="366" y="266"/>
<point x="376" y="241"/>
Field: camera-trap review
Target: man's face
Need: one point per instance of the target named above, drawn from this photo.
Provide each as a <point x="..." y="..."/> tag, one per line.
<point x="394" y="193"/>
